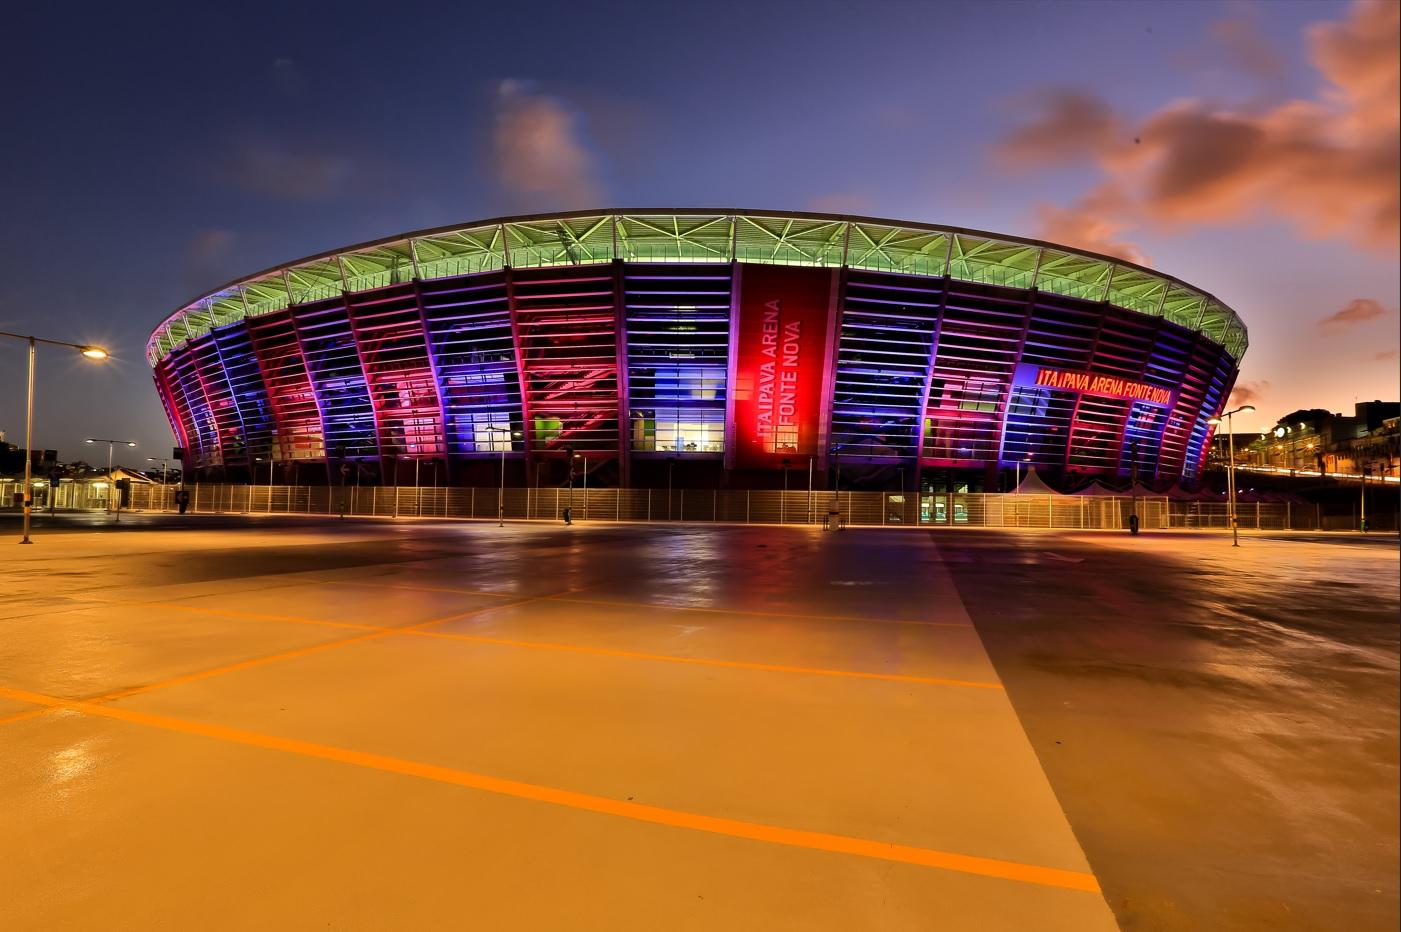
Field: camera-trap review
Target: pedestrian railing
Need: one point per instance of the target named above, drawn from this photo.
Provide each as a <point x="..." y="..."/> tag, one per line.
<point x="864" y="509"/>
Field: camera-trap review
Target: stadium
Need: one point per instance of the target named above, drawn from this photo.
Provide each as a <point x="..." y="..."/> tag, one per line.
<point x="710" y="349"/>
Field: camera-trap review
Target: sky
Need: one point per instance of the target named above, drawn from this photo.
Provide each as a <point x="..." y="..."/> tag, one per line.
<point x="153" y="152"/>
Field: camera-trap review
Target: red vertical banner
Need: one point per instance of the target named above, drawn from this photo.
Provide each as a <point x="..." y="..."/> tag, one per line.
<point x="781" y="363"/>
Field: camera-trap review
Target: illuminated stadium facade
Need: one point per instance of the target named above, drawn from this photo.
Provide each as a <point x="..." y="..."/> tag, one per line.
<point x="729" y="346"/>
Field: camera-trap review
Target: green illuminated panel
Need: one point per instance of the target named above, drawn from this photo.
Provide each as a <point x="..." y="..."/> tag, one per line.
<point x="227" y="307"/>
<point x="566" y="241"/>
<point x="1184" y="306"/>
<point x="789" y="241"/>
<point x="461" y="252"/>
<point x="1072" y="274"/>
<point x="806" y="241"/>
<point x="895" y="249"/>
<point x="266" y="294"/>
<point x="378" y="266"/>
<point x="1137" y="290"/>
<point x="674" y="238"/>
<point x="993" y="262"/>
<point x="1217" y="321"/>
<point x="314" y="281"/>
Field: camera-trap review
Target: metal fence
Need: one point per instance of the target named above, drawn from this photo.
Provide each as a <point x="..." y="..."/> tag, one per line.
<point x="866" y="509"/>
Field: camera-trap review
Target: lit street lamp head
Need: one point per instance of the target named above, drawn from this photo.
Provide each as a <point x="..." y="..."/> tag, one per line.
<point x="94" y="352"/>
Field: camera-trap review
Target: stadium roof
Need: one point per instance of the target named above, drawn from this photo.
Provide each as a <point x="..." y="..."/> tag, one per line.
<point x="768" y="237"/>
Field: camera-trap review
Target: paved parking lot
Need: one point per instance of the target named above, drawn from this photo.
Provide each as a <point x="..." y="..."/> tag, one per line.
<point x="362" y="725"/>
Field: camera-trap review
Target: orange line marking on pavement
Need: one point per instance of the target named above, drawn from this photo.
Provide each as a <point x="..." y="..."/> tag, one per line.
<point x="754" y="831"/>
<point x="374" y="633"/>
<point x="415" y="630"/>
<point x="28" y="713"/>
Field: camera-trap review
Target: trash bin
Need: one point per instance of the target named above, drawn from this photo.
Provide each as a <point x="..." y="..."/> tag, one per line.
<point x="834" y="520"/>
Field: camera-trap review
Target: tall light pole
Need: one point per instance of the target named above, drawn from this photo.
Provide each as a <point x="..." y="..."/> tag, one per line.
<point x="837" y="479"/>
<point x="670" y="462"/>
<point x="569" y="457"/>
<point x="153" y="459"/>
<point x="1231" y="466"/>
<point x="783" y="502"/>
<point x="1362" y="489"/>
<point x="501" y="492"/>
<point x="111" y="482"/>
<point x="89" y="352"/>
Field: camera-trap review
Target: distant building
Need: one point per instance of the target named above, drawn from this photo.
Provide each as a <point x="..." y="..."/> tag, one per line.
<point x="1316" y="439"/>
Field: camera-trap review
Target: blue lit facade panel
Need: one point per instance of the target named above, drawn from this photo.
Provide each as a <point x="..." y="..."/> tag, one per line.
<point x="678" y="337"/>
<point x="888" y="329"/>
<point x="247" y="391"/>
<point x="338" y="378"/>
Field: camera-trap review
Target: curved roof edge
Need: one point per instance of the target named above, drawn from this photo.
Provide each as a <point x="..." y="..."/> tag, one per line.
<point x="705" y="235"/>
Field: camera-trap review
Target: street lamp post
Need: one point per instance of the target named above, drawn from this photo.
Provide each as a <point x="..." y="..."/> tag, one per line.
<point x="569" y="455"/>
<point x="154" y="459"/>
<point x="111" y="482"/>
<point x="783" y="502"/>
<point x="837" y="478"/>
<point x="1362" y="491"/>
<point x="670" y="462"/>
<point x="89" y="352"/>
<point x="1231" y="467"/>
<point x="501" y="492"/>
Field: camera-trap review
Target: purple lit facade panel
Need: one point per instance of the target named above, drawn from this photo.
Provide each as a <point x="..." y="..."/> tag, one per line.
<point x="338" y="379"/>
<point x="467" y="322"/>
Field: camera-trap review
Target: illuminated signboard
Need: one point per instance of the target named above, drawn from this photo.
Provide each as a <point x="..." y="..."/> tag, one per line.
<point x="780" y="363"/>
<point x="1093" y="383"/>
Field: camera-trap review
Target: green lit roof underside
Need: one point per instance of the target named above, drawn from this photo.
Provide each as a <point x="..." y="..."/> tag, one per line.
<point x="699" y="236"/>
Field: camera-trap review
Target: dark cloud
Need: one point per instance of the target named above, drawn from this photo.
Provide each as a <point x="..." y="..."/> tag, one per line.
<point x="1088" y="224"/>
<point x="1354" y="312"/>
<point x="541" y="154"/>
<point x="1248" y="393"/>
<point x="1069" y="126"/>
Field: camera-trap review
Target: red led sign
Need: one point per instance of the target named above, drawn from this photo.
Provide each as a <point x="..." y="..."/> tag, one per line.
<point x="780" y="363"/>
<point x="1110" y="386"/>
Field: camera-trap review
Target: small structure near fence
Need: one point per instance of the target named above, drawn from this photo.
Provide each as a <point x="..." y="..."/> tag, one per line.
<point x="89" y="493"/>
<point x="857" y="509"/>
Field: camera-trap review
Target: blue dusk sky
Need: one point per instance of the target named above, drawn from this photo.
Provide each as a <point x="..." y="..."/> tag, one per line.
<point x="154" y="151"/>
